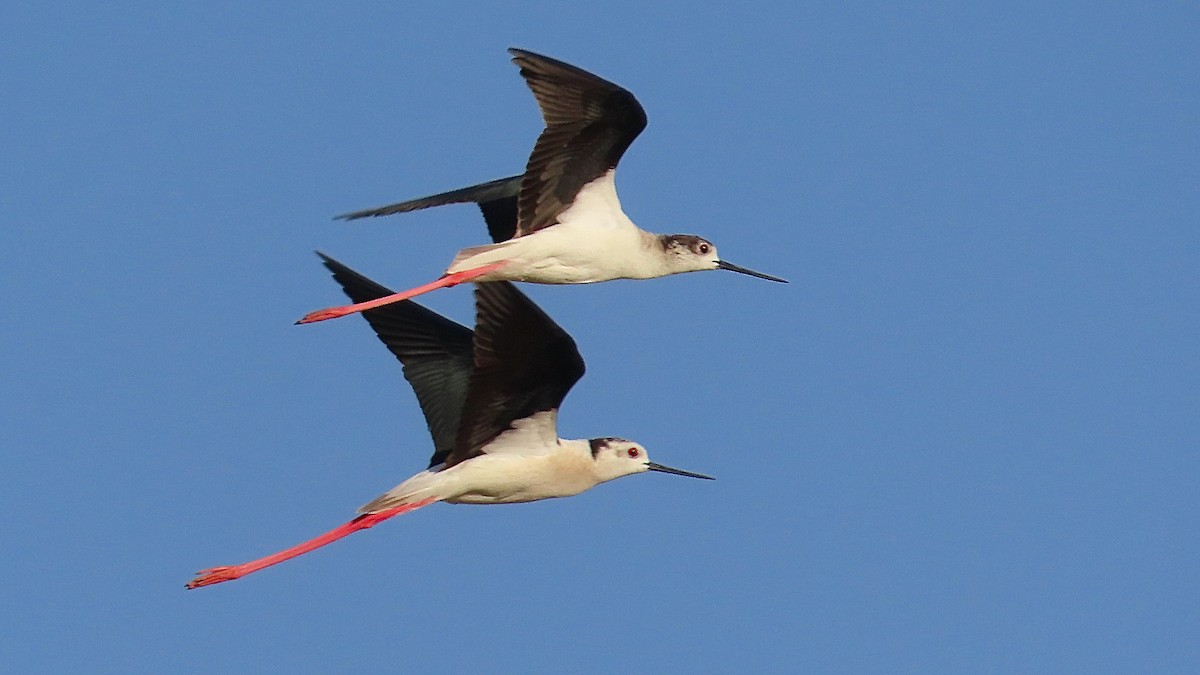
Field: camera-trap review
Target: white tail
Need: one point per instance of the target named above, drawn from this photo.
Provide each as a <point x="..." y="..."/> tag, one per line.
<point x="420" y="487"/>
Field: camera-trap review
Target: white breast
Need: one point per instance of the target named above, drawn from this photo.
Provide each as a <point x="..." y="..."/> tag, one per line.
<point x="508" y="479"/>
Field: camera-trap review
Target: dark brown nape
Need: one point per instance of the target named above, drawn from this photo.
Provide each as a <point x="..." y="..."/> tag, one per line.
<point x="689" y="241"/>
<point x="599" y="444"/>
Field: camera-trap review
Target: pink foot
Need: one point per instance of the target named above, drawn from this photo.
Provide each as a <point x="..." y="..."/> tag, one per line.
<point x="323" y="314"/>
<point x="214" y="575"/>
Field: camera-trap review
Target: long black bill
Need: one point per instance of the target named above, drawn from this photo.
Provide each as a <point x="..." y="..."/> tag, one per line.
<point x="654" y="466"/>
<point x="722" y="265"/>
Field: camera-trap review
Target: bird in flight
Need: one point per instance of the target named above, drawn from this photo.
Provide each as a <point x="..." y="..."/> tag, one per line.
<point x="561" y="221"/>
<point x="490" y="398"/>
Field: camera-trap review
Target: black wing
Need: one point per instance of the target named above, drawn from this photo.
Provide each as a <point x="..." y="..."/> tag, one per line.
<point x="497" y="199"/>
<point x="590" y="123"/>
<point x="524" y="364"/>
<point x="435" y="351"/>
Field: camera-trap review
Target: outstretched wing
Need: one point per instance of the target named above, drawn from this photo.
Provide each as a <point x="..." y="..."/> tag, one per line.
<point x="590" y="122"/>
<point x="435" y="351"/>
<point x="524" y="366"/>
<point x="497" y="199"/>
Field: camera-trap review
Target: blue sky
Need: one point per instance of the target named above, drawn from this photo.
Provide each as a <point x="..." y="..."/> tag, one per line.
<point x="963" y="439"/>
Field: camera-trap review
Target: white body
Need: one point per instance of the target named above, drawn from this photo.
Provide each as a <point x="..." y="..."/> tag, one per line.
<point x="592" y="241"/>
<point x="524" y="464"/>
<point x="503" y="478"/>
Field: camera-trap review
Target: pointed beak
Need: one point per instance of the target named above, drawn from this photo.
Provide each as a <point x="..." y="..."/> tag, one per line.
<point x="654" y="466"/>
<point x="722" y="265"/>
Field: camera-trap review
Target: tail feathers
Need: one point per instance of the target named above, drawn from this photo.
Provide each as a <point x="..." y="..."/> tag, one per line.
<point x="419" y="488"/>
<point x="476" y="256"/>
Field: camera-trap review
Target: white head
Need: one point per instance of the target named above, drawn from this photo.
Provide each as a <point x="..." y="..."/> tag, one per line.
<point x="616" y="457"/>
<point x="689" y="253"/>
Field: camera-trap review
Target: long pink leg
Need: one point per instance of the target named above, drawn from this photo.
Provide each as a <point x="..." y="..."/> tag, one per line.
<point x="445" y="282"/>
<point x="216" y="575"/>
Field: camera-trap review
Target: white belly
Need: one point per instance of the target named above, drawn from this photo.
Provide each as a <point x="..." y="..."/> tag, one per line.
<point x="514" y="479"/>
<point x="566" y="253"/>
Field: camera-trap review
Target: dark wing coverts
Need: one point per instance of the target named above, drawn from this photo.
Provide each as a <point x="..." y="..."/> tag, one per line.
<point x="524" y="364"/>
<point x="590" y="122"/>
<point x="471" y="386"/>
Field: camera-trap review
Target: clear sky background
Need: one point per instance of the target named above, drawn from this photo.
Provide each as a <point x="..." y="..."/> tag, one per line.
<point x="963" y="439"/>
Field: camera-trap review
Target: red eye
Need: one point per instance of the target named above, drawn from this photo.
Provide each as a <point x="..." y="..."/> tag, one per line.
<point x="633" y="452"/>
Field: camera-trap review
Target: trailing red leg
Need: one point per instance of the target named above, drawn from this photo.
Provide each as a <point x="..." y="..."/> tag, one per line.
<point x="445" y="282"/>
<point x="216" y="575"/>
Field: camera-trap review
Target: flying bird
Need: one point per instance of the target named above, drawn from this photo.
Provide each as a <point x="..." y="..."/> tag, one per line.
<point x="561" y="222"/>
<point x="490" y="399"/>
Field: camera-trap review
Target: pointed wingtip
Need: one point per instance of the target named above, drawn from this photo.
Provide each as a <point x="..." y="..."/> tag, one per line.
<point x="354" y="215"/>
<point x="334" y="266"/>
<point x="519" y="55"/>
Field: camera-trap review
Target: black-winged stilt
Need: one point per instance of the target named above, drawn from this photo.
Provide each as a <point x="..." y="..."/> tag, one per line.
<point x="490" y="399"/>
<point x="569" y="227"/>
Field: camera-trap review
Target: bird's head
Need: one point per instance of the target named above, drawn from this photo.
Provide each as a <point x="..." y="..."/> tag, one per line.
<point x="616" y="457"/>
<point x="689" y="253"/>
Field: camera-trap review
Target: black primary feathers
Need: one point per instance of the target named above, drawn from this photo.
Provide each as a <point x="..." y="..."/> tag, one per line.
<point x="590" y="123"/>
<point x="472" y="385"/>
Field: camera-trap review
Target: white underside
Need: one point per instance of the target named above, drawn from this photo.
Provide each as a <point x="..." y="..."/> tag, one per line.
<point x="593" y="241"/>
<point x="524" y="464"/>
<point x="502" y="478"/>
